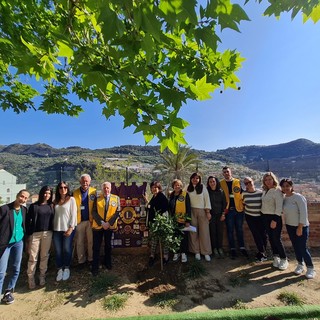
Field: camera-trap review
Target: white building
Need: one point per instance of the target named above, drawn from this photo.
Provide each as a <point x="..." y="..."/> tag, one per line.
<point x="9" y="187"/>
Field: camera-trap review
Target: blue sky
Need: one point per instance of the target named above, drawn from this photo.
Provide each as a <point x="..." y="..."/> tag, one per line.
<point x="279" y="100"/>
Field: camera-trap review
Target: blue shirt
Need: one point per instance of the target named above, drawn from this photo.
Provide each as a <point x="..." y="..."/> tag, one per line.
<point x="84" y="205"/>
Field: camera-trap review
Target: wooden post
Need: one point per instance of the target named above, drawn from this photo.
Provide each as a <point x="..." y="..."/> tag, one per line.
<point x="161" y="256"/>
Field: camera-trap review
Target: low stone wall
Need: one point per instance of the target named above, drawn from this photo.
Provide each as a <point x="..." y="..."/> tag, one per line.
<point x="314" y="237"/>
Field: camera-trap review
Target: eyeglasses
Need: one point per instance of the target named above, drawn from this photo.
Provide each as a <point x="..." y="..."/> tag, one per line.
<point x="248" y="182"/>
<point x="63" y="187"/>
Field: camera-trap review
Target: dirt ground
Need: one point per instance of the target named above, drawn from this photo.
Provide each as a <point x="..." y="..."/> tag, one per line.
<point x="239" y="283"/>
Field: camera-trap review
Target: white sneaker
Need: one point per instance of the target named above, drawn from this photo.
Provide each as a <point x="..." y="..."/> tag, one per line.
<point x="175" y="257"/>
<point x="310" y="273"/>
<point x="207" y="258"/>
<point x="59" y="275"/>
<point x="283" y="264"/>
<point x="66" y="274"/>
<point x="184" y="258"/>
<point x="197" y="256"/>
<point x="276" y="262"/>
<point x="299" y="269"/>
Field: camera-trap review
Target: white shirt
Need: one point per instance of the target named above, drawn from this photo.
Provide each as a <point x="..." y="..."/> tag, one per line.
<point x="65" y="215"/>
<point x="200" y="201"/>
<point x="295" y="210"/>
<point x="272" y="201"/>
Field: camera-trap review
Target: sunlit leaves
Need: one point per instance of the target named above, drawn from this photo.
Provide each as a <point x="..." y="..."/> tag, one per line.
<point x="310" y="9"/>
<point x="314" y="14"/>
<point x="64" y="50"/>
<point x="202" y="88"/>
<point x="142" y="60"/>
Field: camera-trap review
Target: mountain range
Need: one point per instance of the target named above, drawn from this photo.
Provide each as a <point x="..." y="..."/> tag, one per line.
<point x="40" y="163"/>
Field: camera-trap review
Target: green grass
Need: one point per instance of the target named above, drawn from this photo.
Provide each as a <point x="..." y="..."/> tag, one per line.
<point x="238" y="304"/>
<point x="102" y="283"/>
<point x="290" y="298"/>
<point x="165" y="300"/>
<point x="284" y="313"/>
<point x="196" y="270"/>
<point x="115" y="302"/>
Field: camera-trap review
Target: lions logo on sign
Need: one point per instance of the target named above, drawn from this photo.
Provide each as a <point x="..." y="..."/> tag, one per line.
<point x="128" y="215"/>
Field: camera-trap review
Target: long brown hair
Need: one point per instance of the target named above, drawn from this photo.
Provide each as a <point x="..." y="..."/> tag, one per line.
<point x="58" y="195"/>
<point x="198" y="187"/>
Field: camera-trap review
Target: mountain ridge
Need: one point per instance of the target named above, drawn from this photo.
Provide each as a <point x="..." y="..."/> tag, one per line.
<point x="40" y="164"/>
<point x="292" y="148"/>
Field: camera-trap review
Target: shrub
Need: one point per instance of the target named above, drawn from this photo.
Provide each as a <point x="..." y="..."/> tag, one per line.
<point x="196" y="270"/>
<point x="115" y="302"/>
<point x="290" y="298"/>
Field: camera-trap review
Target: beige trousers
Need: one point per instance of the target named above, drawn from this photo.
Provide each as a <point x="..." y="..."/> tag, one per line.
<point x="39" y="244"/>
<point x="199" y="242"/>
<point x="84" y="241"/>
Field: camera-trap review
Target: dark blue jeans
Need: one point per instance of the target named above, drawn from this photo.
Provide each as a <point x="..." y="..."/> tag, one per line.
<point x="274" y="234"/>
<point x="63" y="248"/>
<point x="234" y="220"/>
<point x="10" y="262"/>
<point x="300" y="245"/>
<point x="259" y="233"/>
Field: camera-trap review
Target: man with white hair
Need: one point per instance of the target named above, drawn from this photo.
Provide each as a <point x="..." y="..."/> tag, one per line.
<point x="105" y="213"/>
<point x="84" y="196"/>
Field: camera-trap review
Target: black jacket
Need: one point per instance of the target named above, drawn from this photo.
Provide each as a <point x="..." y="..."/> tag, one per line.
<point x="7" y="224"/>
<point x="157" y="204"/>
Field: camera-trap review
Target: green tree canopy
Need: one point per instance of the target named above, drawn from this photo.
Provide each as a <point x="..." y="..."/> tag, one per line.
<point x="138" y="59"/>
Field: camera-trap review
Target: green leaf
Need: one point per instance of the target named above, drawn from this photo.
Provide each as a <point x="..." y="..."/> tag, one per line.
<point x="109" y="19"/>
<point x="314" y="15"/>
<point x="148" y="137"/>
<point x="150" y="24"/>
<point x="6" y="41"/>
<point x="65" y="50"/>
<point x="32" y="48"/>
<point x="202" y="89"/>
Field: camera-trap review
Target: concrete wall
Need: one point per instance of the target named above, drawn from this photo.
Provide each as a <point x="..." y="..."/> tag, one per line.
<point x="9" y="187"/>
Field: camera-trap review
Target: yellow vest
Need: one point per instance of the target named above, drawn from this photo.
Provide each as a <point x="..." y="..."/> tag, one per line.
<point x="112" y="209"/>
<point x="236" y="190"/>
<point x="180" y="210"/>
<point x="78" y="198"/>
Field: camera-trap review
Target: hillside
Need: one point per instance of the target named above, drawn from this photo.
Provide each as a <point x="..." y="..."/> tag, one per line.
<point x="299" y="159"/>
<point x="40" y="164"/>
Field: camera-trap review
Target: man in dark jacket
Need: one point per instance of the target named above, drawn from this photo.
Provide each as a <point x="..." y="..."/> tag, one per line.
<point x="12" y="231"/>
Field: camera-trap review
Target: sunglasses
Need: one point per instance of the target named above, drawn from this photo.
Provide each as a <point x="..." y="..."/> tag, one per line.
<point x="248" y="182"/>
<point x="63" y="187"/>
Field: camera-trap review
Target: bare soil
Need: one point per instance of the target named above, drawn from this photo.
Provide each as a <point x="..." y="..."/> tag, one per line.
<point x="239" y="283"/>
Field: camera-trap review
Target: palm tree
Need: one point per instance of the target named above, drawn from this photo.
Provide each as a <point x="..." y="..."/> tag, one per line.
<point x="177" y="166"/>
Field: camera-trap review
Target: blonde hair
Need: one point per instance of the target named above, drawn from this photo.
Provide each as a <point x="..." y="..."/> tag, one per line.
<point x="273" y="176"/>
<point x="177" y="181"/>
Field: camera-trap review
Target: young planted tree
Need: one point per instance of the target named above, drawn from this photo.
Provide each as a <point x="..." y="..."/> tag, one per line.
<point x="164" y="229"/>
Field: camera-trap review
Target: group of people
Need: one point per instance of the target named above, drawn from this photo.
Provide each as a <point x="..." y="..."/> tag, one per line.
<point x="83" y="215"/>
<point x="225" y="203"/>
<point x="92" y="219"/>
